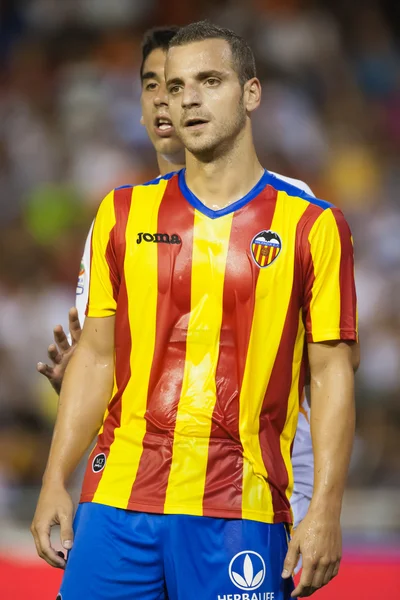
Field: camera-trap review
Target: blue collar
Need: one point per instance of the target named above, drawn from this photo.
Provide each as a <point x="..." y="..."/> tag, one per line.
<point x="214" y="214"/>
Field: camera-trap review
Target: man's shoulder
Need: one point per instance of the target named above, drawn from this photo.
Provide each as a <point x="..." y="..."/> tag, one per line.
<point x="116" y="204"/>
<point x="160" y="179"/>
<point x="297" y="183"/>
<point x="156" y="181"/>
<point x="298" y="189"/>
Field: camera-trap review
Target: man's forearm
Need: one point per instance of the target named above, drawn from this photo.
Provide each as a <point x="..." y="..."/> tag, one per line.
<point x="85" y="393"/>
<point x="332" y="426"/>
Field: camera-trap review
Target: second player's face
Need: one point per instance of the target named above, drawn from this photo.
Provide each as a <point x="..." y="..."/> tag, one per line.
<point x="206" y="101"/>
<point x="154" y="101"/>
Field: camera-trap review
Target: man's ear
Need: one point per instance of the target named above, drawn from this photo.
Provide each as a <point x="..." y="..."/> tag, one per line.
<point x="141" y="120"/>
<point x="252" y="94"/>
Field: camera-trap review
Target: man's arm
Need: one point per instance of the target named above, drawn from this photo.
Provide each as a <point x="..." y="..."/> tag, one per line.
<point x="318" y="537"/>
<point x="86" y="391"/>
<point x="60" y="353"/>
<point x="355" y="356"/>
<point x="332" y="421"/>
<point x="325" y="253"/>
<point x="355" y="361"/>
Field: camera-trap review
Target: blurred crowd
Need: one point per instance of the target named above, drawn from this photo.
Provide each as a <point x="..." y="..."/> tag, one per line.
<point x="70" y="131"/>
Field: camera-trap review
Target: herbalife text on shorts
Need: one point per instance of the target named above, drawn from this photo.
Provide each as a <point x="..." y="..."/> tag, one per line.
<point x="254" y="596"/>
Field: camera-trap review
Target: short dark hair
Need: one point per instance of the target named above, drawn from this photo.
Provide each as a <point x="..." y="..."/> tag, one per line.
<point x="153" y="39"/>
<point x="242" y="55"/>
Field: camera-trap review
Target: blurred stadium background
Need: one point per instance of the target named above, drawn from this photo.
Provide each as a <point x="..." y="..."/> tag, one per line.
<point x="69" y="132"/>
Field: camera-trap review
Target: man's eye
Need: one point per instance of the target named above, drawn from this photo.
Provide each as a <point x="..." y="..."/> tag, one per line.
<point x="174" y="89"/>
<point x="212" y="81"/>
<point x="150" y="87"/>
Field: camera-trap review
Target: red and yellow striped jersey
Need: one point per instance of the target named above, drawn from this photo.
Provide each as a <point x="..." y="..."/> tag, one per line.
<point x="213" y="310"/>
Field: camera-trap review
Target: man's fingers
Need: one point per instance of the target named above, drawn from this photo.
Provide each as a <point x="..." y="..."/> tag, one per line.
<point x="35" y="537"/>
<point x="336" y="568"/>
<point x="66" y="531"/>
<point x="41" y="553"/>
<point x="60" y="338"/>
<point x="291" y="560"/>
<point x="54" y="354"/>
<point x="304" y="586"/>
<point x="307" y="591"/>
<point x="319" y="575"/>
<point x="45" y="550"/>
<point x="314" y="577"/>
<point x="45" y="370"/>
<point x="37" y="544"/>
<point x="329" y="574"/>
<point x="74" y="325"/>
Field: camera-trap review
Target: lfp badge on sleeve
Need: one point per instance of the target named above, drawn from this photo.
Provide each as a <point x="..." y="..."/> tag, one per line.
<point x="265" y="248"/>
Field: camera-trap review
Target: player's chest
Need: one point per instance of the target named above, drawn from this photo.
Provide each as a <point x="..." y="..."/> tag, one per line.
<point x="235" y="257"/>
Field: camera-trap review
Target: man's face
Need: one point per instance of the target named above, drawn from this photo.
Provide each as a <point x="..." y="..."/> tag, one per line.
<point x="154" y="101"/>
<point x="205" y="96"/>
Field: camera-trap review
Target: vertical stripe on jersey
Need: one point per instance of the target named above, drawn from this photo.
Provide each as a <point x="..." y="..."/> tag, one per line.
<point x="101" y="301"/>
<point x="122" y="201"/>
<point x="306" y="223"/>
<point x="198" y="397"/>
<point x="262" y="422"/>
<point x="225" y="453"/>
<point x="110" y="257"/>
<point x="165" y="385"/>
<point x="276" y="412"/>
<point x="294" y="402"/>
<point x="278" y="419"/>
<point x="140" y="275"/>
<point x="256" y="495"/>
<point x="325" y="306"/>
<point x="348" y="315"/>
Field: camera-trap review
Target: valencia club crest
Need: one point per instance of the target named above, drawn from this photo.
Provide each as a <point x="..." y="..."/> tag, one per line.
<point x="265" y="248"/>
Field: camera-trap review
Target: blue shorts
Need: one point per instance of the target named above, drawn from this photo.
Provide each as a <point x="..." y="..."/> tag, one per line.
<point x="124" y="555"/>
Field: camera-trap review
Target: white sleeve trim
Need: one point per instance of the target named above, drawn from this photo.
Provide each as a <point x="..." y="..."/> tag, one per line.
<point x="82" y="288"/>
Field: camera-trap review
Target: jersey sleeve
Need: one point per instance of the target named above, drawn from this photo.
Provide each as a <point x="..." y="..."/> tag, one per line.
<point x="104" y="277"/>
<point x="82" y="287"/>
<point x="330" y="305"/>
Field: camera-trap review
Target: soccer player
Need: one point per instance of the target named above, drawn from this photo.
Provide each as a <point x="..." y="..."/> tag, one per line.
<point x="205" y="286"/>
<point x="170" y="157"/>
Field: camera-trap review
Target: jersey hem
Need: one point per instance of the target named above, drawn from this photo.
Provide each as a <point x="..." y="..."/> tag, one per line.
<point x="332" y="334"/>
<point x="99" y="313"/>
<point x="282" y="516"/>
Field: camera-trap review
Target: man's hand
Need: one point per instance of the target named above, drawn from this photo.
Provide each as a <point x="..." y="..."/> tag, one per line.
<point x="318" y="539"/>
<point x="54" y="507"/>
<point x="61" y="351"/>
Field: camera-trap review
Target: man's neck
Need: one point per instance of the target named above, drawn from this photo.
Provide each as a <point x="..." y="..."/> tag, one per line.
<point x="220" y="182"/>
<point x="168" y="164"/>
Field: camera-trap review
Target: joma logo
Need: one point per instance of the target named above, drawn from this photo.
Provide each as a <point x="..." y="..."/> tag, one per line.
<point x="158" y="238"/>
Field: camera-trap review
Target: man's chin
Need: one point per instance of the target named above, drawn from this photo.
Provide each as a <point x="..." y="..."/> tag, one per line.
<point x="200" y="148"/>
<point x="168" y="146"/>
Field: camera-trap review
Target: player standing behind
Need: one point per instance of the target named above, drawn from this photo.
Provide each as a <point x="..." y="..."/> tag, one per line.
<point x="170" y="157"/>
<point x="202" y="416"/>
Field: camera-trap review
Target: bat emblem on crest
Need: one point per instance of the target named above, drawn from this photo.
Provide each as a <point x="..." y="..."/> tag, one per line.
<point x="265" y="248"/>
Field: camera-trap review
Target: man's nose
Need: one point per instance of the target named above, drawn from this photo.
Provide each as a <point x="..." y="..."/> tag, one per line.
<point x="161" y="98"/>
<point x="191" y="97"/>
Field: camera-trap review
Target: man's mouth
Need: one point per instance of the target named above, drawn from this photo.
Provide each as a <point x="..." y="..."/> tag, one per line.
<point x="163" y="126"/>
<point x="195" y="122"/>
